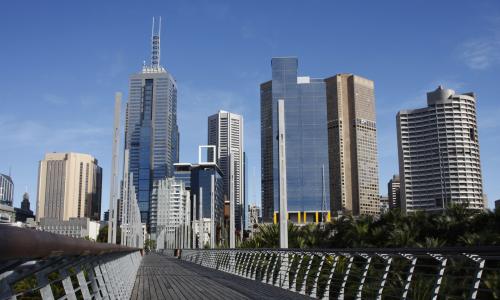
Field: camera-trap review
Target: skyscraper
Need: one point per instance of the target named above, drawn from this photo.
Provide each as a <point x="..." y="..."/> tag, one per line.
<point x="69" y="186"/>
<point x="306" y="143"/>
<point x="151" y="132"/>
<point x="439" y="160"/>
<point x="394" y="192"/>
<point x="6" y="190"/>
<point x="225" y="132"/>
<point x="352" y="144"/>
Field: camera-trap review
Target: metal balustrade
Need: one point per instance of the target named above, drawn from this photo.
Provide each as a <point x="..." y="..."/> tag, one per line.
<point x="458" y="273"/>
<point x="35" y="264"/>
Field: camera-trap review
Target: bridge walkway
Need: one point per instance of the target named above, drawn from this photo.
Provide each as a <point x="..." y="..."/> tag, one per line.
<point x="162" y="277"/>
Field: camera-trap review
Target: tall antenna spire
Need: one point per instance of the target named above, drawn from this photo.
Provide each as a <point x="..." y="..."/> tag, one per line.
<point x="155" y="44"/>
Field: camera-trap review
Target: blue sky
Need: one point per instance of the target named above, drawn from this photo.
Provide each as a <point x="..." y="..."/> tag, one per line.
<point x="62" y="61"/>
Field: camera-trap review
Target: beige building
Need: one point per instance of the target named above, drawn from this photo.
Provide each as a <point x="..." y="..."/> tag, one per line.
<point x="225" y="132"/>
<point x="69" y="186"/>
<point x="352" y="145"/>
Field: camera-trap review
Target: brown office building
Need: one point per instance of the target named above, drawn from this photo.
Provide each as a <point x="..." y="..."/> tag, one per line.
<point x="69" y="186"/>
<point x="352" y="145"/>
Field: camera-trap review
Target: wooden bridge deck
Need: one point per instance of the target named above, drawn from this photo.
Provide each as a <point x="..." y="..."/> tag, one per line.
<point x="161" y="277"/>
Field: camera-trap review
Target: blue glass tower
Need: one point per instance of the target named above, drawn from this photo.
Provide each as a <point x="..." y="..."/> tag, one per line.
<point x="151" y="131"/>
<point x="306" y="142"/>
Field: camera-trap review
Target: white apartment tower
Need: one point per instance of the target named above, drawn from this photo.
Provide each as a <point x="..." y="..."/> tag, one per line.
<point x="439" y="153"/>
<point x="225" y="132"/>
<point x="173" y="214"/>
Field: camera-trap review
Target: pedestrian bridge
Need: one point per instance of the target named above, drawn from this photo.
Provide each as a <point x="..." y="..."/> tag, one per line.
<point x="40" y="265"/>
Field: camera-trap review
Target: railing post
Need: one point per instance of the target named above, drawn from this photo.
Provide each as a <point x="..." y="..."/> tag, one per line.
<point x="273" y="271"/>
<point x="265" y="276"/>
<point x="314" y="290"/>
<point x="477" y="276"/>
<point x="346" y="275"/>
<point x="306" y="274"/>
<point x="45" y="291"/>
<point x="251" y="264"/>
<point x="294" y="280"/>
<point x="260" y="258"/>
<point x="413" y="260"/>
<point x="245" y="264"/>
<point x="443" y="260"/>
<point x="82" y="282"/>
<point x="240" y="261"/>
<point x="283" y="268"/>
<point x="100" y="280"/>
<point x="67" y="284"/>
<point x="287" y="264"/>
<point x="232" y="262"/>
<point x="368" y="259"/>
<point x="387" y="261"/>
<point x="326" y="293"/>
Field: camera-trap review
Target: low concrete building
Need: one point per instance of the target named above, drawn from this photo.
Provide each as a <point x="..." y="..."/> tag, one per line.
<point x="74" y="227"/>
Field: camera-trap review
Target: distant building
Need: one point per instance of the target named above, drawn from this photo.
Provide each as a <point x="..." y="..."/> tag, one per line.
<point x="352" y="144"/>
<point x="394" y="192"/>
<point x="384" y="204"/>
<point x="69" y="186"/>
<point x="74" y="227"/>
<point x="172" y="210"/>
<point x="497" y="204"/>
<point x="24" y="213"/>
<point x="306" y="130"/>
<point x="7" y="214"/>
<point x="151" y="131"/>
<point x="225" y="132"/>
<point x="253" y="216"/>
<point x="204" y="180"/>
<point x="439" y="158"/>
<point x="6" y="190"/>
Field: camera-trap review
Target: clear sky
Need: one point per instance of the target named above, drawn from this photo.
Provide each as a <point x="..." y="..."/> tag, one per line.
<point x="62" y="61"/>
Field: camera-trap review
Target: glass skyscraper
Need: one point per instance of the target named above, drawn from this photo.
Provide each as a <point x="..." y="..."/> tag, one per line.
<point x="151" y="132"/>
<point x="306" y="143"/>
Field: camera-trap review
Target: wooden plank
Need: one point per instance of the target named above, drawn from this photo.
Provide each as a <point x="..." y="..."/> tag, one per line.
<point x="161" y="277"/>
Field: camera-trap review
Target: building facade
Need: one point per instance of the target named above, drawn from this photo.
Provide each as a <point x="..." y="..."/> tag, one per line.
<point x="173" y="206"/>
<point x="225" y="132"/>
<point x="74" y="227"/>
<point x="384" y="204"/>
<point x="439" y="158"/>
<point x="394" y="192"/>
<point x="206" y="186"/>
<point x="6" y="190"/>
<point x="7" y="214"/>
<point x="352" y="145"/>
<point x="151" y="131"/>
<point x="24" y="212"/>
<point x="306" y="143"/>
<point x="253" y="216"/>
<point x="69" y="186"/>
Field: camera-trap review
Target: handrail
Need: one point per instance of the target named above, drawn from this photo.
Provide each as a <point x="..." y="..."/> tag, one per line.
<point x="367" y="273"/>
<point x="24" y="243"/>
<point x="443" y="250"/>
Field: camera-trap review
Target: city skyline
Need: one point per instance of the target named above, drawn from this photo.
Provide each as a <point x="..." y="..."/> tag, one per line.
<point x="31" y="132"/>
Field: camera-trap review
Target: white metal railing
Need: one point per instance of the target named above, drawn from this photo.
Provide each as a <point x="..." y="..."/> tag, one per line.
<point x="461" y="273"/>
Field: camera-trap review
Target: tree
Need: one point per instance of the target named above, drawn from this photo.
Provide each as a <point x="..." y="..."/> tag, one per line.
<point x="102" y="237"/>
